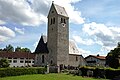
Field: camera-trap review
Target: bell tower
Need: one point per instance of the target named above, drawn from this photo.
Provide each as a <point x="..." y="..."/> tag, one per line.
<point x="58" y="35"/>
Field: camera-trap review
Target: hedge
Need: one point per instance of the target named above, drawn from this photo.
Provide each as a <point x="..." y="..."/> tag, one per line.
<point x="107" y="73"/>
<point x="21" y="71"/>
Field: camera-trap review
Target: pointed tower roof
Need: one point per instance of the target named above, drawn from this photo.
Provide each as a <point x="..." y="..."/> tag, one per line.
<point x="59" y="10"/>
<point x="41" y="47"/>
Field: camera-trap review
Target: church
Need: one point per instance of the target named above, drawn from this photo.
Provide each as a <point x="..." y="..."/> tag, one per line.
<point x="56" y="49"/>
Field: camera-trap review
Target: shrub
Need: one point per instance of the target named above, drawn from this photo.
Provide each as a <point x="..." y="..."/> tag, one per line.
<point x="108" y="73"/>
<point x="21" y="71"/>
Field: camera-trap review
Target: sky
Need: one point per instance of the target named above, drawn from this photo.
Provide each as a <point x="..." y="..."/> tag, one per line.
<point x="94" y="24"/>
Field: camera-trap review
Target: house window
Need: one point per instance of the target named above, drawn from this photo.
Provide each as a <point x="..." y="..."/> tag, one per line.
<point x="76" y="58"/>
<point x="26" y="61"/>
<point x="32" y="61"/>
<point x="9" y="58"/>
<point x="14" y="61"/>
<point x="21" y="61"/>
<point x="21" y="58"/>
<point x="29" y="61"/>
<point x="43" y="60"/>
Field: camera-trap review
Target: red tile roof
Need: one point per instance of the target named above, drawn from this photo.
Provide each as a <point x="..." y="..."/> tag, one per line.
<point x="98" y="57"/>
<point x="5" y="54"/>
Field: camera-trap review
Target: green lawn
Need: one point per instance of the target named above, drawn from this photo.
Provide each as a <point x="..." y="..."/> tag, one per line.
<point x="47" y="77"/>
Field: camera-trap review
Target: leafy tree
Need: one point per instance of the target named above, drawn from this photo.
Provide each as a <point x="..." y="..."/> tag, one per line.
<point x="18" y="49"/>
<point x="9" y="48"/>
<point x="25" y="50"/>
<point x="4" y="63"/>
<point x="1" y="50"/>
<point x="112" y="58"/>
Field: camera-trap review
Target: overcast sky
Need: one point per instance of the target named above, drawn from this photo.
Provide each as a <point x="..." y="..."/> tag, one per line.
<point x="94" y="24"/>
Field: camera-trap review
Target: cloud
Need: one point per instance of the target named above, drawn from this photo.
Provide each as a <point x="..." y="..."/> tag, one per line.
<point x="6" y="33"/>
<point x="84" y="52"/>
<point x="106" y="36"/>
<point x="80" y="40"/>
<point x="18" y="11"/>
<point x="42" y="7"/>
<point x="2" y="22"/>
<point x="20" y="31"/>
<point x="34" y="12"/>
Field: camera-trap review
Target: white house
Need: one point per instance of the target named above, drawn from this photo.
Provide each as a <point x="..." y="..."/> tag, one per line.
<point x="18" y="59"/>
<point x="93" y="60"/>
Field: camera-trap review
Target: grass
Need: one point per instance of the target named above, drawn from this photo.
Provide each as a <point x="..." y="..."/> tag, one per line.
<point x="47" y="77"/>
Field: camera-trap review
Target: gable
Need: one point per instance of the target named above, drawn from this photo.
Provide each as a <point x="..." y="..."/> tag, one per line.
<point x="56" y="9"/>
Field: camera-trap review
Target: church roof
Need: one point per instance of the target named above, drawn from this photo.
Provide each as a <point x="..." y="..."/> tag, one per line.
<point x="42" y="46"/>
<point x="60" y="10"/>
<point x="73" y="49"/>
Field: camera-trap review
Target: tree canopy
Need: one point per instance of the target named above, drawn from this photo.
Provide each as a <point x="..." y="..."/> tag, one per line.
<point x="113" y="57"/>
<point x="10" y="48"/>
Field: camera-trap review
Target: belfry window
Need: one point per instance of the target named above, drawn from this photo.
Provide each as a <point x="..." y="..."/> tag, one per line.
<point x="53" y="20"/>
<point x="64" y="21"/>
<point x="61" y="20"/>
<point x="43" y="59"/>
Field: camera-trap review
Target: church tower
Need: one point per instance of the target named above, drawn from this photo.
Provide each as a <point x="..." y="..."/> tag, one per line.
<point x="58" y="36"/>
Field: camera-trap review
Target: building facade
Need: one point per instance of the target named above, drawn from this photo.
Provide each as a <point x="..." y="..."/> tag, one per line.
<point x="93" y="60"/>
<point x="57" y="50"/>
<point x="18" y="59"/>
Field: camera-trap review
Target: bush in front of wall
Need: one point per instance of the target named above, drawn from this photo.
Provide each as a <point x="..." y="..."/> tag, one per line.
<point x="108" y="73"/>
<point x="21" y="71"/>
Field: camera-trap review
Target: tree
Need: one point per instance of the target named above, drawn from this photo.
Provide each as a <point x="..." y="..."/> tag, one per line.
<point x="25" y="50"/>
<point x="4" y="63"/>
<point x="9" y="48"/>
<point x="112" y="58"/>
<point x="18" y="49"/>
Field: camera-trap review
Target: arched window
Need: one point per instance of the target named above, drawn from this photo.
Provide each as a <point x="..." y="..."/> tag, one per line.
<point x="51" y="62"/>
<point x="43" y="59"/>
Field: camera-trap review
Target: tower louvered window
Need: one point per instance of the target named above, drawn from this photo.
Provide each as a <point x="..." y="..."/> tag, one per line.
<point x="53" y="20"/>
